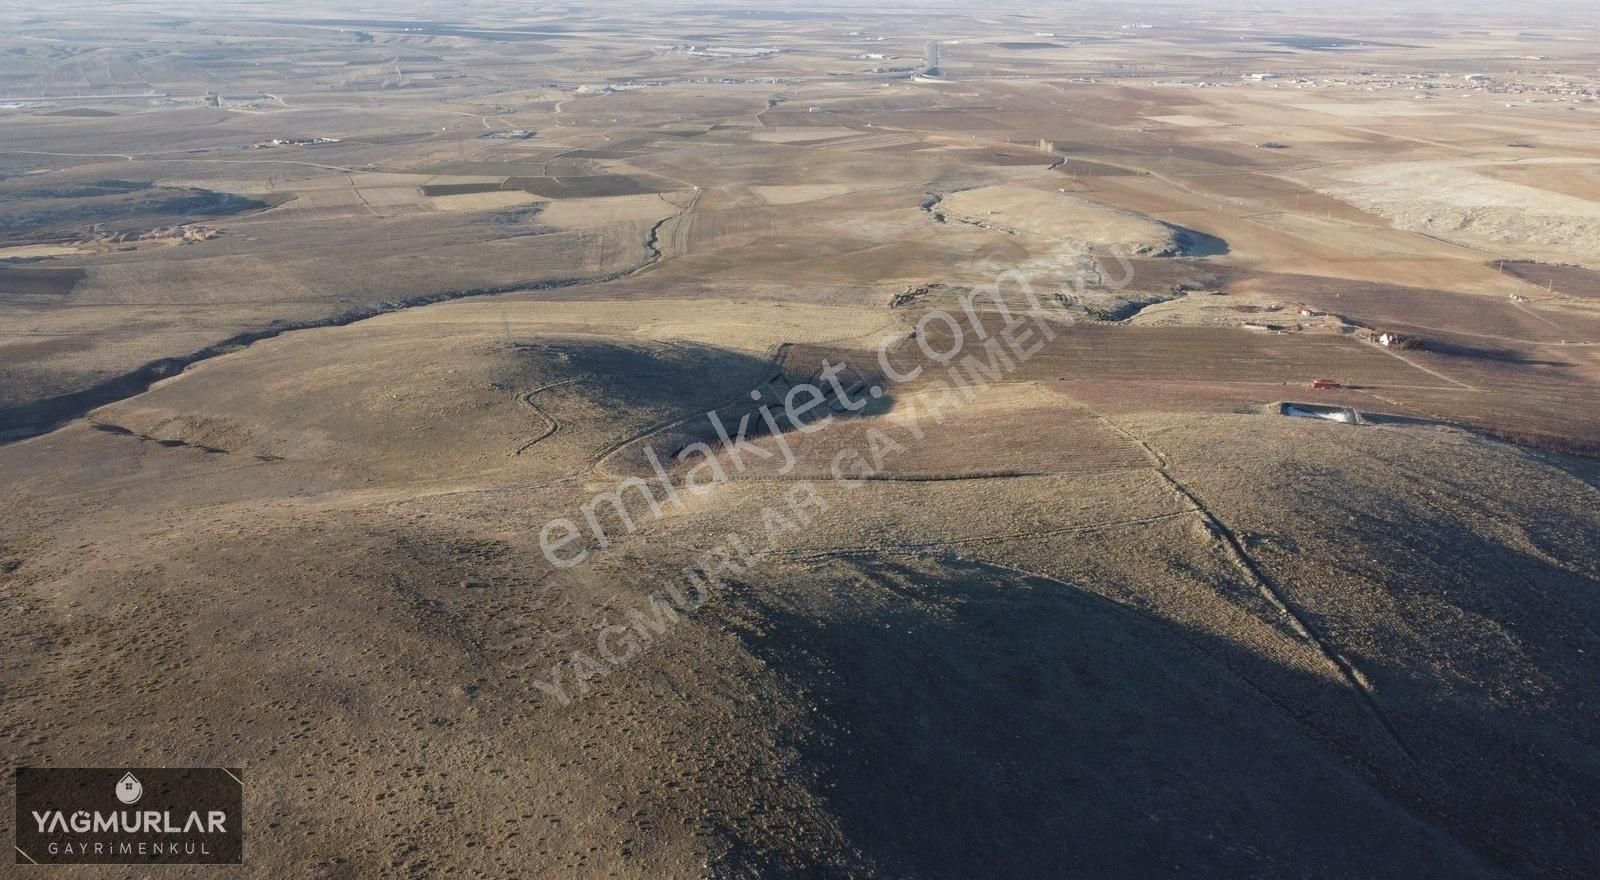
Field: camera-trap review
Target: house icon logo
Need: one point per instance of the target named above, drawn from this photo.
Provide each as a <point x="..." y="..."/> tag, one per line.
<point x="129" y="789"/>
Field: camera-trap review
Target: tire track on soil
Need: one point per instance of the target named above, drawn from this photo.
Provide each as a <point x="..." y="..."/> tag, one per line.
<point x="527" y="399"/>
<point x="1268" y="587"/>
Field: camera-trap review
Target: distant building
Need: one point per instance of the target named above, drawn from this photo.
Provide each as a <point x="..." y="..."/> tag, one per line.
<point x="1397" y="340"/>
<point x="301" y="142"/>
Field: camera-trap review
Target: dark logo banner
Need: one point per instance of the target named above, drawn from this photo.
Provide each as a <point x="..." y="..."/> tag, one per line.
<point x="130" y="816"/>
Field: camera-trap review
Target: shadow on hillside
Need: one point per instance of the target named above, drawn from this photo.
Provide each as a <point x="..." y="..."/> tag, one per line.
<point x="1498" y="355"/>
<point x="693" y="382"/>
<point x="979" y="722"/>
<point x="645" y="375"/>
<point x="1194" y="243"/>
